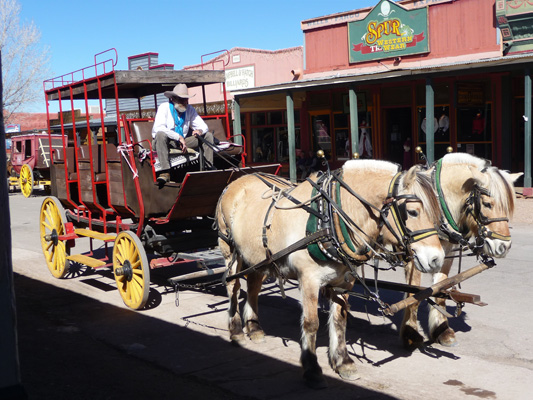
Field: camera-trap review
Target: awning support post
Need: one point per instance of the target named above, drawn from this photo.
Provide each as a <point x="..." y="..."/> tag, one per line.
<point x="430" y="121"/>
<point x="237" y="129"/>
<point x="527" y="129"/>
<point x="354" y="120"/>
<point x="292" y="137"/>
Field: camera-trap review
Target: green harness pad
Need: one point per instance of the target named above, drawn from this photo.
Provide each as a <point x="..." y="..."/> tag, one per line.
<point x="312" y="227"/>
<point x="344" y="229"/>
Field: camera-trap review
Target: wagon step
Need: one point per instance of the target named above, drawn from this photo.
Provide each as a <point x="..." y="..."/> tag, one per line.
<point x="95" y="235"/>
<point x="86" y="260"/>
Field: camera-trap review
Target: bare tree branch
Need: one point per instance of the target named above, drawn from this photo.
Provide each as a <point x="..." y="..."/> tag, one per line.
<point x="25" y="61"/>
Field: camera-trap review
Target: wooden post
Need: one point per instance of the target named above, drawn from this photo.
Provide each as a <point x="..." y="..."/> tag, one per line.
<point x="237" y="128"/>
<point x="430" y="121"/>
<point x="292" y="137"/>
<point x="354" y="120"/>
<point x="10" y="383"/>
<point x="527" y="131"/>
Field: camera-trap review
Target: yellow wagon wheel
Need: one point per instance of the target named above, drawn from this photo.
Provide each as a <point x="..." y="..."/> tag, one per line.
<point x="26" y="180"/>
<point x="131" y="269"/>
<point x="52" y="225"/>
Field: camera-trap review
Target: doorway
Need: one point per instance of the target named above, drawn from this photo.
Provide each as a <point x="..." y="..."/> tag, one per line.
<point x="397" y="126"/>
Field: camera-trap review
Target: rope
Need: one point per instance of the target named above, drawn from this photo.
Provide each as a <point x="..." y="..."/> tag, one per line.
<point x="123" y="149"/>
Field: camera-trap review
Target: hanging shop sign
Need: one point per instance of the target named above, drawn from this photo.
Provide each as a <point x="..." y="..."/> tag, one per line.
<point x="388" y="31"/>
<point x="12" y="128"/>
<point x="240" y="78"/>
<point x="515" y="20"/>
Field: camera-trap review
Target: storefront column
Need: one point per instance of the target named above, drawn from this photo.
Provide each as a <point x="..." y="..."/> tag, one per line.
<point x="430" y="121"/>
<point x="292" y="137"/>
<point x="354" y="120"/>
<point x="527" y="132"/>
<point x="237" y="130"/>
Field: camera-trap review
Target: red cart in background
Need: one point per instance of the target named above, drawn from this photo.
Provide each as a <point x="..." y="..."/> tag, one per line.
<point x="30" y="159"/>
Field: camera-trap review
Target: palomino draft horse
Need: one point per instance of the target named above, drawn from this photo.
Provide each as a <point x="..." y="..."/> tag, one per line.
<point x="260" y="216"/>
<point x="476" y="201"/>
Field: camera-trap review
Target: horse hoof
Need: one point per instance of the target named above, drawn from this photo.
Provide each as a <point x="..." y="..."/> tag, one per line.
<point x="257" y="337"/>
<point x="238" y="340"/>
<point x="348" y="372"/>
<point x="446" y="338"/>
<point x="411" y="339"/>
<point x="315" y="382"/>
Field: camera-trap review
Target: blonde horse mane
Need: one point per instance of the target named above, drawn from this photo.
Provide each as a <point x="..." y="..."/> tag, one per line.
<point x="421" y="186"/>
<point x="500" y="185"/>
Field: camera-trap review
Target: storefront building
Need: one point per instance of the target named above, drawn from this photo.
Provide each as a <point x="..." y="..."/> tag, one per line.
<point x="429" y="73"/>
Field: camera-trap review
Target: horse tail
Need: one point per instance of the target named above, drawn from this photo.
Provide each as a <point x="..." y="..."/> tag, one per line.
<point x="223" y="229"/>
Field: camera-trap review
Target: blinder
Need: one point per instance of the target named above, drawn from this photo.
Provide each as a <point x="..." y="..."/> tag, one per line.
<point x="473" y="207"/>
<point x="398" y="209"/>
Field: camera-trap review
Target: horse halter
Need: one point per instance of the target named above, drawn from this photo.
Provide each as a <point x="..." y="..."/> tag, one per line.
<point x="473" y="207"/>
<point x="399" y="214"/>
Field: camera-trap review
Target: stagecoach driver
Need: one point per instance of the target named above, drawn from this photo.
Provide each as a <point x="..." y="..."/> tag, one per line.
<point x="178" y="125"/>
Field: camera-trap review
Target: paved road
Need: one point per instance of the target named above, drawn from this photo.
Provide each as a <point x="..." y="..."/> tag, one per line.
<point x="78" y="340"/>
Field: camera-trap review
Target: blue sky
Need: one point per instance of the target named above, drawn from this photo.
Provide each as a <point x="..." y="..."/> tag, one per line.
<point x="181" y="32"/>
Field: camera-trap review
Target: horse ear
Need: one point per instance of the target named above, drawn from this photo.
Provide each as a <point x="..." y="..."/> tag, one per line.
<point x="410" y="176"/>
<point x="514" y="177"/>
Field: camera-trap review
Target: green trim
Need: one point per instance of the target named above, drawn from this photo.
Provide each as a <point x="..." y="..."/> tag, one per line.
<point x="311" y="227"/>
<point x="442" y="201"/>
<point x="344" y="229"/>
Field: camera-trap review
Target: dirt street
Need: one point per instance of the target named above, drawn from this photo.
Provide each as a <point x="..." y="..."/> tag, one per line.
<point x="78" y="340"/>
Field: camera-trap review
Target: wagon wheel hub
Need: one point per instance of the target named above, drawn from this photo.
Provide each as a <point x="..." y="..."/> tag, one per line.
<point x="126" y="270"/>
<point x="52" y="237"/>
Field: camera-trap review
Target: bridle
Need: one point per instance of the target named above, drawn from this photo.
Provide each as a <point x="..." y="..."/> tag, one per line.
<point x="394" y="203"/>
<point x="399" y="214"/>
<point x="471" y="207"/>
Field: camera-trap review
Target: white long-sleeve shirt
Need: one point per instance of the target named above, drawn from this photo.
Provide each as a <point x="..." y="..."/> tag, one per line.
<point x="164" y="122"/>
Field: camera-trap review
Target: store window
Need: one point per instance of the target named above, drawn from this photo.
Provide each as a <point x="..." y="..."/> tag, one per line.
<point x="474" y="119"/>
<point x="322" y="134"/>
<point x="441" y="128"/>
<point x="270" y="136"/>
<point x="342" y="136"/>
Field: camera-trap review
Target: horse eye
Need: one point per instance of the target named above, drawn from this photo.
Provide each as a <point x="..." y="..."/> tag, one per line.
<point x="487" y="205"/>
<point x="412" y="213"/>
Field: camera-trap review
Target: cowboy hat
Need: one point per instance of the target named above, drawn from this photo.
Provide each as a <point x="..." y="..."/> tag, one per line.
<point x="180" y="90"/>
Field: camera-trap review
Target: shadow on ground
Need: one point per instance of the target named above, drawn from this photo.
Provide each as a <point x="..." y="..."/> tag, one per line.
<point x="72" y="346"/>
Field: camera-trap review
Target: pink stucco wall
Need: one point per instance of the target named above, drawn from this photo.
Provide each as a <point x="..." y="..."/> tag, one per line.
<point x="269" y="67"/>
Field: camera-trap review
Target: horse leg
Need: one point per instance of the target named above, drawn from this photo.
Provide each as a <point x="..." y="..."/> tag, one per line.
<point x="233" y="288"/>
<point x="250" y="312"/>
<point x="339" y="359"/>
<point x="309" y="322"/>
<point x="409" y="333"/>
<point x="438" y="323"/>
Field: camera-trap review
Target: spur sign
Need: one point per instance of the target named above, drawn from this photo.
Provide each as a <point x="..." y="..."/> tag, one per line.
<point x="389" y="30"/>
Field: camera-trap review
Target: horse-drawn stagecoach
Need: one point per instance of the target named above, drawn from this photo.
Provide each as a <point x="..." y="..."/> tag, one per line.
<point x="319" y="232"/>
<point x="104" y="185"/>
<point x="30" y="160"/>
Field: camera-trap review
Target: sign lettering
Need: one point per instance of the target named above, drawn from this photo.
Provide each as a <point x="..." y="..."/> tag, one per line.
<point x="389" y="30"/>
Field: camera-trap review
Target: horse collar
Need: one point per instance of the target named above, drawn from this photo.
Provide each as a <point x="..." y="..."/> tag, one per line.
<point x="442" y="200"/>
